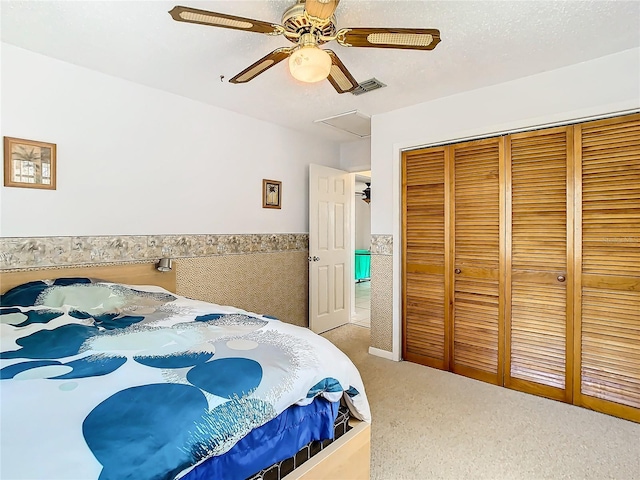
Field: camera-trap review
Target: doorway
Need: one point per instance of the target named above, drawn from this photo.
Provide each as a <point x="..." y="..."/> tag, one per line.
<point x="361" y="241"/>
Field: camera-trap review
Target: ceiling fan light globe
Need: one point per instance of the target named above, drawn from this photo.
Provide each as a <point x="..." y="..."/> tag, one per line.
<point x="310" y="64"/>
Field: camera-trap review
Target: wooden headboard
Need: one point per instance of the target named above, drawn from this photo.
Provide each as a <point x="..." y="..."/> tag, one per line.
<point x="130" y="274"/>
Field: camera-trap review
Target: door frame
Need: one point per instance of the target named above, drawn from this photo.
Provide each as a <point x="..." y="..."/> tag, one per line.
<point x="353" y="219"/>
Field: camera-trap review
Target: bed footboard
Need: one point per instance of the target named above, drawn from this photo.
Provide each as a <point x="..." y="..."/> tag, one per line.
<point x="348" y="458"/>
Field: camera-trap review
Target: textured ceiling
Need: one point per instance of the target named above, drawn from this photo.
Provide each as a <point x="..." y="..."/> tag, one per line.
<point x="483" y="43"/>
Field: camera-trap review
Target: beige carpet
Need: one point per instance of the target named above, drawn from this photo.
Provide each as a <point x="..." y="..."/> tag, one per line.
<point x="429" y="424"/>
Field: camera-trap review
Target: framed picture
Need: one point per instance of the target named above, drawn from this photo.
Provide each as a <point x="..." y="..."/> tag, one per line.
<point x="271" y="194"/>
<point x="29" y="164"/>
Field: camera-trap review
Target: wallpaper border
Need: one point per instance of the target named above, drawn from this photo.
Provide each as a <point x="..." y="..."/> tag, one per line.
<point x="382" y="244"/>
<point x="30" y="252"/>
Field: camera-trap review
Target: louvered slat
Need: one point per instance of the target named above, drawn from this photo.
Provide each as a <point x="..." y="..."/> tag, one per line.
<point x="611" y="351"/>
<point x="424" y="257"/>
<point x="610" y="300"/>
<point x="477" y="256"/>
<point x="549" y="331"/>
<point x="476" y="325"/>
<point x="424" y="312"/>
<point x="537" y="329"/>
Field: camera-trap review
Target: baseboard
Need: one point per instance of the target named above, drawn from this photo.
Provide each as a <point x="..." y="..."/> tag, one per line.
<point x="381" y="353"/>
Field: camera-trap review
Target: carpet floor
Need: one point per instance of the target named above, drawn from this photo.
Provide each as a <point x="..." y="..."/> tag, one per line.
<point x="430" y="424"/>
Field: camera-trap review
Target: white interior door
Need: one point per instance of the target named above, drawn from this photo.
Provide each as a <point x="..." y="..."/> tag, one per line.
<point x="329" y="248"/>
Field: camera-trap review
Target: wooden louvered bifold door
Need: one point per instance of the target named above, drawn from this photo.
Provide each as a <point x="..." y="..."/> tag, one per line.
<point x="608" y="302"/>
<point x="477" y="314"/>
<point x="539" y="293"/>
<point x="424" y="339"/>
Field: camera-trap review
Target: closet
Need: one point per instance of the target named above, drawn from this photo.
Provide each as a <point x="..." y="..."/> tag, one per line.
<point x="538" y="232"/>
<point x="521" y="262"/>
<point x="425" y="301"/>
<point x="607" y="319"/>
<point x="476" y="316"/>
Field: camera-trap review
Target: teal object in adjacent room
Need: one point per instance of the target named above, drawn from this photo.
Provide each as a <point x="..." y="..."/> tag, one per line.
<point x="363" y="264"/>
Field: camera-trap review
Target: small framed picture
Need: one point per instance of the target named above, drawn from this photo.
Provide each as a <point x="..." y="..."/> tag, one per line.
<point x="29" y="163"/>
<point x="271" y="194"/>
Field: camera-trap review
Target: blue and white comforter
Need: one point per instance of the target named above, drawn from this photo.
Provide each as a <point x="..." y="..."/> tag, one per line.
<point x="110" y="381"/>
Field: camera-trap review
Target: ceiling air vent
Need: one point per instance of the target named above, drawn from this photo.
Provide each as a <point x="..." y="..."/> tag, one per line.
<point x="367" y="86"/>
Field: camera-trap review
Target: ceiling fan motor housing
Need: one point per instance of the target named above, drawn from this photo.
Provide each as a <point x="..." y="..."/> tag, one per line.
<point x="296" y="21"/>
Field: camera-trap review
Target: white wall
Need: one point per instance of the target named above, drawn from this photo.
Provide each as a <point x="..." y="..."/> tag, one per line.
<point x="356" y="156"/>
<point x="135" y="160"/>
<point x="602" y="86"/>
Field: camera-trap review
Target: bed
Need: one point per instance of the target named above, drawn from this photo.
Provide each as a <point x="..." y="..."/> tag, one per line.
<point x="122" y="378"/>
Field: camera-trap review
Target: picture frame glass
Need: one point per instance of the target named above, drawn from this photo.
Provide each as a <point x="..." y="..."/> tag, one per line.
<point x="273" y="191"/>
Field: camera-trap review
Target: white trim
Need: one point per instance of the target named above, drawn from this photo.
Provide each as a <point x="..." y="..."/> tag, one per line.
<point x="382" y="353"/>
<point x="396" y="276"/>
<point x="352" y="222"/>
<point x="527" y="125"/>
<point x="539" y="126"/>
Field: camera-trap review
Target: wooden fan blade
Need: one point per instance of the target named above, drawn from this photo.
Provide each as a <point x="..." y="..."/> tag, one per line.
<point x="204" y="17"/>
<point x="339" y="76"/>
<point x="322" y="9"/>
<point x="405" y="38"/>
<point x="262" y="65"/>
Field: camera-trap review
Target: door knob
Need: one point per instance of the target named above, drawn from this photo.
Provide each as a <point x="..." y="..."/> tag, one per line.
<point x="315" y="259"/>
<point x="561" y="278"/>
<point x="457" y="270"/>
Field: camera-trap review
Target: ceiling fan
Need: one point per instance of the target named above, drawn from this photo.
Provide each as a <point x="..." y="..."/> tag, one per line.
<point x="366" y="193"/>
<point x="309" y="24"/>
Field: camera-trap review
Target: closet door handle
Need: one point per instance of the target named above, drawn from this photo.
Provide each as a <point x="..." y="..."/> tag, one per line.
<point x="561" y="278"/>
<point x="457" y="270"/>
